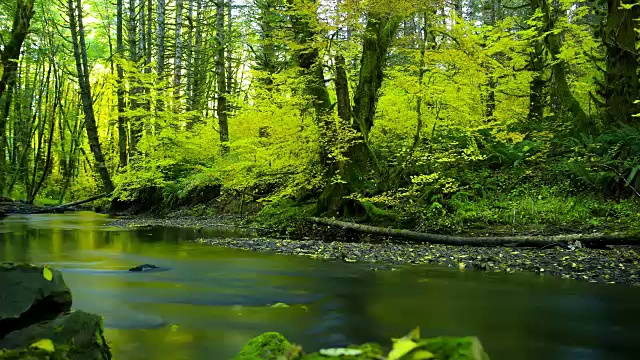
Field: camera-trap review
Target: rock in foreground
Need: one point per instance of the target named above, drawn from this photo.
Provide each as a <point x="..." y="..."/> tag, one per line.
<point x="30" y="294"/>
<point x="75" y="336"/>
<point x="274" y="346"/>
<point x="35" y="322"/>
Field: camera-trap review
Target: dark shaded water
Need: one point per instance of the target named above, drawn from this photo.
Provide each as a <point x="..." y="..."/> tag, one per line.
<point x="214" y="299"/>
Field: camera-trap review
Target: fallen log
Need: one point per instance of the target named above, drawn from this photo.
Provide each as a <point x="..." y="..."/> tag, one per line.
<point x="69" y="205"/>
<point x="589" y="240"/>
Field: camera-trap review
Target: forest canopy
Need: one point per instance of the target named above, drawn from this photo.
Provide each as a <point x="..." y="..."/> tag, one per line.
<point x="426" y="113"/>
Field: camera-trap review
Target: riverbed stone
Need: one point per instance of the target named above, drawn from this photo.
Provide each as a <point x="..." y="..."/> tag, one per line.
<point x="74" y="336"/>
<point x="30" y="294"/>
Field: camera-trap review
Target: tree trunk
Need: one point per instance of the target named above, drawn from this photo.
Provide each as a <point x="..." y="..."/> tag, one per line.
<point x="308" y="57"/>
<point x="197" y="92"/>
<point x="621" y="77"/>
<point x="221" y="78"/>
<point x="9" y="61"/>
<point x="266" y="57"/>
<point x="342" y="90"/>
<point x="160" y="38"/>
<point x="379" y="32"/>
<point x="560" y="87"/>
<point x="190" y="52"/>
<point x="82" y="67"/>
<point x="122" y="132"/>
<point x="229" y="49"/>
<point x="590" y="239"/>
<point x="177" y="77"/>
<point x="134" y="56"/>
<point x="537" y="86"/>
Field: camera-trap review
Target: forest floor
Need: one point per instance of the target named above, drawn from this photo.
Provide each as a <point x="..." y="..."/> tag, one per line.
<point x="619" y="264"/>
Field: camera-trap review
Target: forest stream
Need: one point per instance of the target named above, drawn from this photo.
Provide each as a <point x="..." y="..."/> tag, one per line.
<point x="214" y="299"/>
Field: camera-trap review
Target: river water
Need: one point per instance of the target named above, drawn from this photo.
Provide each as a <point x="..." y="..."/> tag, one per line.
<point x="213" y="300"/>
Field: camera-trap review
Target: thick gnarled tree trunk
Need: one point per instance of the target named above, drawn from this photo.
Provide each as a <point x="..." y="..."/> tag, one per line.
<point x="379" y="33"/>
<point x="621" y="77"/>
<point x="560" y="90"/>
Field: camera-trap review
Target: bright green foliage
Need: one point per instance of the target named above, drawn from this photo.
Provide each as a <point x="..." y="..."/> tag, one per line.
<point x="454" y="141"/>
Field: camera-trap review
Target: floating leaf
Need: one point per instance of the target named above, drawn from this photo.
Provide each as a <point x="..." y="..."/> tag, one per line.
<point x="280" y="305"/>
<point x="44" y="344"/>
<point x="48" y="275"/>
<point x="174" y="328"/>
<point x="337" y="352"/>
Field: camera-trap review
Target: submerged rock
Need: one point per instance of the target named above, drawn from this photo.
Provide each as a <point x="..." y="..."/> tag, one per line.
<point x="30" y="294"/>
<point x="274" y="346"/>
<point x="147" y="267"/>
<point x="75" y="336"/>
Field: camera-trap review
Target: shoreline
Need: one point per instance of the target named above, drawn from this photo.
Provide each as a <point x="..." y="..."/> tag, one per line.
<point x="614" y="265"/>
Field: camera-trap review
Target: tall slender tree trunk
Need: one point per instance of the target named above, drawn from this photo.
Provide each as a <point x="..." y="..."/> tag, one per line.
<point x="221" y="107"/>
<point x="9" y="61"/>
<point x="229" y="48"/>
<point x="82" y="67"/>
<point x="134" y="32"/>
<point x="177" y="78"/>
<point x="160" y="38"/>
<point x="197" y="91"/>
<point x="190" y="52"/>
<point x="122" y="131"/>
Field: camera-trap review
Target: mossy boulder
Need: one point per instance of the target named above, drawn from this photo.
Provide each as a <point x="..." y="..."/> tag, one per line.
<point x="30" y="294"/>
<point x="268" y="346"/>
<point x="274" y="346"/>
<point x="74" y="336"/>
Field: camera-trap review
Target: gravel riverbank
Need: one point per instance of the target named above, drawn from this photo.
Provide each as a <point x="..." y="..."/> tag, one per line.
<point x="619" y="264"/>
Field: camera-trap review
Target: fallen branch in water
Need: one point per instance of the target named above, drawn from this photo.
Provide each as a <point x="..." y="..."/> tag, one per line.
<point x="593" y="239"/>
<point x="69" y="205"/>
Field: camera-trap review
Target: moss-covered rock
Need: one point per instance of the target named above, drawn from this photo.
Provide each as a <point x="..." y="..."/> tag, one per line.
<point x="268" y="346"/>
<point x="274" y="346"/>
<point x="30" y="294"/>
<point x="74" y="336"/>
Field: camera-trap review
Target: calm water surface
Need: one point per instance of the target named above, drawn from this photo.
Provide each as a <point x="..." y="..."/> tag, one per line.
<point x="215" y="299"/>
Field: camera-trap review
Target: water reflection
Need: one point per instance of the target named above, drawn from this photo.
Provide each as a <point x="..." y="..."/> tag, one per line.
<point x="214" y="300"/>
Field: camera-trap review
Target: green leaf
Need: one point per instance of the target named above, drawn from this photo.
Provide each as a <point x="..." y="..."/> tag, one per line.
<point x="401" y="348"/>
<point x="44" y="344"/>
<point x="422" y="355"/>
<point x="337" y="352"/>
<point x="47" y="274"/>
